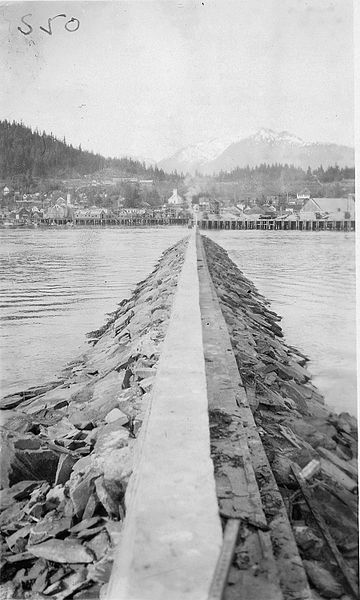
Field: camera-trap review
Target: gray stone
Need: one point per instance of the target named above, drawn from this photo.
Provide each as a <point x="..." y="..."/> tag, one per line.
<point x="101" y="570"/>
<point x="111" y="436"/>
<point x="62" y="551"/>
<point x="322" y="579"/>
<point x="17" y="541"/>
<point x="80" y="491"/>
<point x="81" y="420"/>
<point x="105" y="498"/>
<point x="27" y="443"/>
<point x="89" y="533"/>
<point x="116" y="415"/>
<point x="12" y="401"/>
<point x="50" y="526"/>
<point x="34" y="464"/>
<point x="308" y="541"/>
<point x="85" y="524"/>
<point x="281" y="467"/>
<point x="19" y="491"/>
<point x="99" y="545"/>
<point x="55" y="497"/>
<point x="147" y="383"/>
<point x="62" y="429"/>
<point x="64" y="468"/>
<point x="291" y="389"/>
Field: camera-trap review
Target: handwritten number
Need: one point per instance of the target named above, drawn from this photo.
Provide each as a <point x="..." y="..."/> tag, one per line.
<point x="71" y="25"/>
<point x="72" y="20"/>
<point x="49" y="31"/>
<point x="27" y="25"/>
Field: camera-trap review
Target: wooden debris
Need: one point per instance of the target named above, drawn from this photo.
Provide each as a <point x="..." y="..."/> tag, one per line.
<point x="324" y="530"/>
<point x="290" y="436"/>
<point x="310" y="469"/>
<point x="323" y="580"/>
<point x="331" y="470"/>
<point x="345" y="466"/>
<point x="225" y="559"/>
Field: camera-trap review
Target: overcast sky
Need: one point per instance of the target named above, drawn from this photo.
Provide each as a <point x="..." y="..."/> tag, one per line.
<point x="147" y="77"/>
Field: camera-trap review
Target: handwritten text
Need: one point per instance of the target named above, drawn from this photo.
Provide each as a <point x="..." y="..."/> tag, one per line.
<point x="71" y="24"/>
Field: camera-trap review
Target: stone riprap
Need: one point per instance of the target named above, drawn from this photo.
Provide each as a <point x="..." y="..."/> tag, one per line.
<point x="68" y="450"/>
<point x="297" y="430"/>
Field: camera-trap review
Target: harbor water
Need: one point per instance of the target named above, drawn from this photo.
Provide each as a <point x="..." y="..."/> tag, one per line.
<point x="58" y="284"/>
<point x="309" y="277"/>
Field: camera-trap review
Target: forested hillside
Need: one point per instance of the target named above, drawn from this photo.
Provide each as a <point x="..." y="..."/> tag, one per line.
<point x="289" y="173"/>
<point x="39" y="155"/>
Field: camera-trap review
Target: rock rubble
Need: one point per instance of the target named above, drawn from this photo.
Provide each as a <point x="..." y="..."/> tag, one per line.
<point x="297" y="429"/>
<point x="68" y="450"/>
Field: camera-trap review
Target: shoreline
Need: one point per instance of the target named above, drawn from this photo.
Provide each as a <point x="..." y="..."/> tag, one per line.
<point x="219" y="225"/>
<point x="82" y="446"/>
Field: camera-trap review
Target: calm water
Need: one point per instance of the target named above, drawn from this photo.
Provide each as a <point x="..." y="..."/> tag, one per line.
<point x="59" y="284"/>
<point x="310" y="279"/>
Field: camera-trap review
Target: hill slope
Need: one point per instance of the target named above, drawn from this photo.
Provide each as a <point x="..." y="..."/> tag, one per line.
<point x="265" y="146"/>
<point x="27" y="152"/>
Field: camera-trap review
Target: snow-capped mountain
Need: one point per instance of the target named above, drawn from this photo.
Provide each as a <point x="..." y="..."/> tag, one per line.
<point x="196" y="156"/>
<point x="265" y="146"/>
<point x="272" y="137"/>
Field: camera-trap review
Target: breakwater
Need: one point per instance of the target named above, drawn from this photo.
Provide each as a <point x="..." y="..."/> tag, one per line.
<point x="68" y="445"/>
<point x="71" y="446"/>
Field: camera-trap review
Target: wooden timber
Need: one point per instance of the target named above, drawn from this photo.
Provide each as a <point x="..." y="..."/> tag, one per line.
<point x="238" y="456"/>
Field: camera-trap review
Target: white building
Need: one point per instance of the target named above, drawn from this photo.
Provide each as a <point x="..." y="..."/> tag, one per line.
<point x="304" y="195"/>
<point x="175" y="199"/>
<point x="329" y="208"/>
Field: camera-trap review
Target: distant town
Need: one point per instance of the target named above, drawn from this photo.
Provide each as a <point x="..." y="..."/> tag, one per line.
<point x="98" y="203"/>
<point x="45" y="182"/>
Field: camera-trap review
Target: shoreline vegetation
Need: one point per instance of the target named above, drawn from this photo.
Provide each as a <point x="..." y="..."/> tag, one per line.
<point x="68" y="446"/>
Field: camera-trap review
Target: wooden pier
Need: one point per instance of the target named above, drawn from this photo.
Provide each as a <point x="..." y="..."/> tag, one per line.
<point x="278" y="225"/>
<point x="120" y="221"/>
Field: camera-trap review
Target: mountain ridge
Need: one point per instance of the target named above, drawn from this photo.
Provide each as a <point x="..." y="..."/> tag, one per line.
<point x="264" y="146"/>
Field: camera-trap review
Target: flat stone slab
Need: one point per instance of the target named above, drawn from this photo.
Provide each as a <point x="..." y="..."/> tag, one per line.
<point x="172" y="534"/>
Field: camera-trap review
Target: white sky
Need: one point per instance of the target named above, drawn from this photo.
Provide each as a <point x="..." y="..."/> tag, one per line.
<point x="148" y="77"/>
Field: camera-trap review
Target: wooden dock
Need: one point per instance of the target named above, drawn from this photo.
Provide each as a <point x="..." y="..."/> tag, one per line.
<point x="117" y="221"/>
<point x="278" y="225"/>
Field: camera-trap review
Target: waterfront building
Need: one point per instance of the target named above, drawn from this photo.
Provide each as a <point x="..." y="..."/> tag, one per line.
<point x="253" y="210"/>
<point x="334" y="209"/>
<point x="58" y="213"/>
<point x="124" y="212"/>
<point x="94" y="212"/>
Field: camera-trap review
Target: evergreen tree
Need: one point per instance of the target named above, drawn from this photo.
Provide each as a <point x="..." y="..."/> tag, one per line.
<point x="25" y="151"/>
